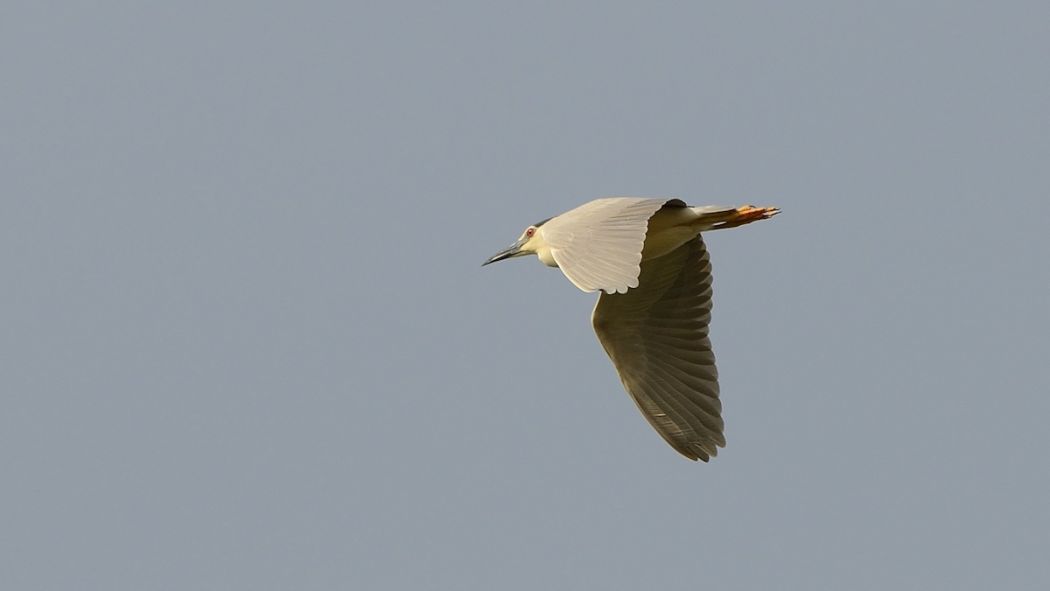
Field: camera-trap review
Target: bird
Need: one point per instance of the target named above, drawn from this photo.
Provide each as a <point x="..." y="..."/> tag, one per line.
<point x="648" y="259"/>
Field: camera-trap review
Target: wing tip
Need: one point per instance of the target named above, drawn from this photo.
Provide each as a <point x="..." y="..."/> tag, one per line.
<point x="702" y="451"/>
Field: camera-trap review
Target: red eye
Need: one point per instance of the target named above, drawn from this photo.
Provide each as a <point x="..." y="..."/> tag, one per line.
<point x="530" y="232"/>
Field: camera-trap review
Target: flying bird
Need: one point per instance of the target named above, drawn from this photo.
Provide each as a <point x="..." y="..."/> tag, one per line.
<point x="648" y="259"/>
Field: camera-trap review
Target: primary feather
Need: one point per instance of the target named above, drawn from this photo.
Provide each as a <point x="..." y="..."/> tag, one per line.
<point x="657" y="338"/>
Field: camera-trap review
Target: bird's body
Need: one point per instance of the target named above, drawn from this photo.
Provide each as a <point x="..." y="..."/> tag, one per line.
<point x="671" y="227"/>
<point x="648" y="259"/>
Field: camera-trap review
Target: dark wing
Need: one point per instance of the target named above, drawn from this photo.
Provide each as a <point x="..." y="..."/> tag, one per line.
<point x="656" y="336"/>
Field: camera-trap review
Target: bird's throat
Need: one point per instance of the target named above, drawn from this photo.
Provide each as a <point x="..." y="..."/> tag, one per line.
<point x="545" y="256"/>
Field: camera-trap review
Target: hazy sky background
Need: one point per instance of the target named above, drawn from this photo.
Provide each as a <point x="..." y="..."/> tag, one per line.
<point x="246" y="342"/>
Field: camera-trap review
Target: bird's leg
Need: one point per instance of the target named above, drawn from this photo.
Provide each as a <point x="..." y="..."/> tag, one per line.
<point x="746" y="215"/>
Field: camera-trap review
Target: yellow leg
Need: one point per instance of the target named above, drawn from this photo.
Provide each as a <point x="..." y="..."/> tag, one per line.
<point x="746" y="215"/>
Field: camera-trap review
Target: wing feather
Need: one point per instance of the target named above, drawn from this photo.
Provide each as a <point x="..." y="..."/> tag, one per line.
<point x="598" y="245"/>
<point x="657" y="338"/>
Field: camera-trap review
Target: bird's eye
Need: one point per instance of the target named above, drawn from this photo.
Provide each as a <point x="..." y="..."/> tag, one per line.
<point x="530" y="232"/>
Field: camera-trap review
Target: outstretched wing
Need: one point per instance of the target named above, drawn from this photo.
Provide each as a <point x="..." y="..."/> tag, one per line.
<point x="598" y="245"/>
<point x="656" y="336"/>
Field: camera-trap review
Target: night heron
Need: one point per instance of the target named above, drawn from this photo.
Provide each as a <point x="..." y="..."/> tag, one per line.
<point x="649" y="260"/>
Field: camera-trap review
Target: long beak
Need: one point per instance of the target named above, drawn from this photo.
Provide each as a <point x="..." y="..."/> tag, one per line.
<point x="514" y="250"/>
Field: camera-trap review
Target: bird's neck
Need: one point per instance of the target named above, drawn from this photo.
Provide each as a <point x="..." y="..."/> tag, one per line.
<point x="545" y="256"/>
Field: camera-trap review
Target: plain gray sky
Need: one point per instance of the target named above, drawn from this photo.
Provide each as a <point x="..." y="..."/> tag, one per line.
<point x="246" y="342"/>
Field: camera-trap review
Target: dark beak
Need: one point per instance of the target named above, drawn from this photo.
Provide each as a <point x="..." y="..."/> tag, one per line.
<point x="508" y="253"/>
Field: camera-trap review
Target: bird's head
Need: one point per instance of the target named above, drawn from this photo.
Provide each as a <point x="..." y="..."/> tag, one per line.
<point x="530" y="242"/>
